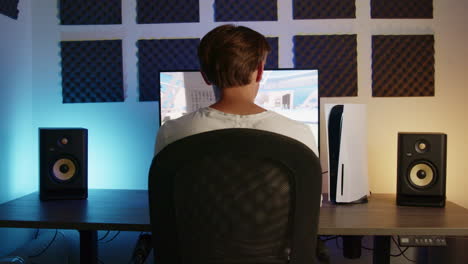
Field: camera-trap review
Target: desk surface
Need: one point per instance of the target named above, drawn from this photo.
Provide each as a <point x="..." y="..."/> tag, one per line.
<point x="127" y="210"/>
<point x="381" y="216"/>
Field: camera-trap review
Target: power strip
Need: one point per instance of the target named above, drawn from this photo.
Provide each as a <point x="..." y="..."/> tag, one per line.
<point x="422" y="241"/>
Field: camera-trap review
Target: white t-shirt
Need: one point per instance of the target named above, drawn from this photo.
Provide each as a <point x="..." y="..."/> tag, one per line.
<point x="208" y="119"/>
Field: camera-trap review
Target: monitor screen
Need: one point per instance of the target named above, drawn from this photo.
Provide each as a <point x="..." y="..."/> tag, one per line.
<point x="290" y="92"/>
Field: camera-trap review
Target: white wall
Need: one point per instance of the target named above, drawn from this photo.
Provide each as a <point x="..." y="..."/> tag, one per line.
<point x="386" y="116"/>
<point x="442" y="113"/>
<point x="16" y="148"/>
<point x="15" y="102"/>
<point x="121" y="134"/>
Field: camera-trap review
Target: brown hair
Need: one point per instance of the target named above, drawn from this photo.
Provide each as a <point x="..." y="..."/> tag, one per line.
<point x="230" y="54"/>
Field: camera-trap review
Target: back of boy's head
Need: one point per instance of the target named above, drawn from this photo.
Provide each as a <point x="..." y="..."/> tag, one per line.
<point x="230" y="54"/>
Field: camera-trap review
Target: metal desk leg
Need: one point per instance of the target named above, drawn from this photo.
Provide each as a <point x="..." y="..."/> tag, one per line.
<point x="352" y="247"/>
<point x="381" y="250"/>
<point x="88" y="247"/>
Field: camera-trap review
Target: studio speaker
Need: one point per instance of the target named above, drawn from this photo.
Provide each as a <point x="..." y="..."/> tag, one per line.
<point x="63" y="163"/>
<point x="421" y="169"/>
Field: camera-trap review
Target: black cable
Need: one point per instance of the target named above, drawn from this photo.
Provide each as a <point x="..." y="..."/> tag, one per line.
<point x="392" y="255"/>
<point x="402" y="252"/>
<point x="328" y="238"/>
<point x="366" y="248"/>
<point x="118" y="232"/>
<point x="338" y="244"/>
<point x="324" y="172"/>
<point x="44" y="250"/>
<point x="104" y="236"/>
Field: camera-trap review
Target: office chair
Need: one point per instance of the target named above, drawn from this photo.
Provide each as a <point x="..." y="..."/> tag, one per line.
<point x="235" y="196"/>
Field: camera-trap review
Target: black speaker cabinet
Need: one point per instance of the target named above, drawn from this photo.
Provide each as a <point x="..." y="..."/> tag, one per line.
<point x="63" y="163"/>
<point x="421" y="169"/>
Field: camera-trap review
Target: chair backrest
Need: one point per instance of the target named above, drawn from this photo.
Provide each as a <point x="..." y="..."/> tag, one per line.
<point x="235" y="196"/>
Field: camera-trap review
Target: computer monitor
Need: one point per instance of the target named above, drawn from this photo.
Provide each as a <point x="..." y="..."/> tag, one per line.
<point x="290" y="92"/>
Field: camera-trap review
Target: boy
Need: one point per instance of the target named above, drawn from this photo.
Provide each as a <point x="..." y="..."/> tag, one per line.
<point x="232" y="59"/>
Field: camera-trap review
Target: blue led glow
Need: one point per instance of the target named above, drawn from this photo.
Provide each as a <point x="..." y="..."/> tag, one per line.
<point x="121" y="139"/>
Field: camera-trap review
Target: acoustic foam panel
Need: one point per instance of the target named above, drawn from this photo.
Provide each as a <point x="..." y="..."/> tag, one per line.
<point x="155" y="55"/>
<point x="402" y="65"/>
<point x="90" y="12"/>
<point x="246" y="10"/>
<point x="272" y="59"/>
<point x="335" y="57"/>
<point x="401" y="9"/>
<point x="319" y="9"/>
<point x="167" y="11"/>
<point x="9" y="8"/>
<point x="92" y="71"/>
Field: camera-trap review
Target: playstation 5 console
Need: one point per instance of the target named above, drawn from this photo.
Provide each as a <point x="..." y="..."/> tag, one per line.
<point x="346" y="135"/>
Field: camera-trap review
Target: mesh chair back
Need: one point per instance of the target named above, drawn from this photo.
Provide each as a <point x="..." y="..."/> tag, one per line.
<point x="235" y="196"/>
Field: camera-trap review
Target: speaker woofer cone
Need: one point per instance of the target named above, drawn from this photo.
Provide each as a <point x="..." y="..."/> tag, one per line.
<point x="421" y="175"/>
<point x="64" y="169"/>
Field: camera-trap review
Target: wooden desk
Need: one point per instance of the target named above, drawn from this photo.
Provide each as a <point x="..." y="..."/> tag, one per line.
<point x="124" y="210"/>
<point x="127" y="210"/>
<point x="382" y="218"/>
